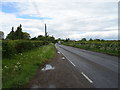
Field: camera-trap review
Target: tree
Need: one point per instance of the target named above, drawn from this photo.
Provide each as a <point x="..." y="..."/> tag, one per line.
<point x="90" y="39"/>
<point x="11" y="35"/>
<point x="34" y="38"/>
<point x="41" y="37"/>
<point x="83" y="39"/>
<point x="26" y="35"/>
<point x="19" y="33"/>
<point x="51" y="39"/>
<point x="97" y="39"/>
<point x="67" y="39"/>
<point x="102" y="40"/>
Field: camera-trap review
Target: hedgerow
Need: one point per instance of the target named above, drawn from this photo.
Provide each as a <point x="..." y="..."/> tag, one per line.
<point x="108" y="47"/>
<point x="12" y="47"/>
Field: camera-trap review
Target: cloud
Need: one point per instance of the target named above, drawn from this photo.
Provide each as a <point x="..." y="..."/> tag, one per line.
<point x="61" y="0"/>
<point x="109" y="35"/>
<point x="73" y="19"/>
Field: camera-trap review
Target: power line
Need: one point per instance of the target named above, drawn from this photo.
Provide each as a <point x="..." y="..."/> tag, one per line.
<point x="37" y="10"/>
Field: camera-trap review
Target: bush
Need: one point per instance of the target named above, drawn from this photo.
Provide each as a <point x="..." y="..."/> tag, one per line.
<point x="12" y="47"/>
<point x="110" y="47"/>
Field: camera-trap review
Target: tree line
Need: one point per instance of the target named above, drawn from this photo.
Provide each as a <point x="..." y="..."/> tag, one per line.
<point x="20" y="35"/>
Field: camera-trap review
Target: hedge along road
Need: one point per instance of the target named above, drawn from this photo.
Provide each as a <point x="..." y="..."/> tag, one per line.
<point x="101" y="70"/>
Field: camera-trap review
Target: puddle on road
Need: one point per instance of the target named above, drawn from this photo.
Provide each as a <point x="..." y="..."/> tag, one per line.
<point x="48" y="67"/>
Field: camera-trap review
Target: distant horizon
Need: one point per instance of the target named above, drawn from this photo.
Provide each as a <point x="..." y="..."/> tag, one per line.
<point x="64" y="18"/>
<point x="70" y="38"/>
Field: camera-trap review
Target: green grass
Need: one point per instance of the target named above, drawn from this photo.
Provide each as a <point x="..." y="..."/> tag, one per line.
<point x="107" y="47"/>
<point x="20" y="70"/>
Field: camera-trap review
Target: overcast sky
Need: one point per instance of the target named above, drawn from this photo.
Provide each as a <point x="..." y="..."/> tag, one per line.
<point x="74" y="19"/>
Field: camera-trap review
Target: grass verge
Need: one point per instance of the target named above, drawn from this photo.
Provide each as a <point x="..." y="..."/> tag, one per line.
<point x="111" y="48"/>
<point x="19" y="70"/>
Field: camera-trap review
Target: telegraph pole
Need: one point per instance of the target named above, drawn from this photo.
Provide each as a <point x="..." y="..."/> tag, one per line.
<point x="45" y="30"/>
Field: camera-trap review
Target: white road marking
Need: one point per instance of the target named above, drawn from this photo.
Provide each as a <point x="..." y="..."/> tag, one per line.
<point x="87" y="77"/>
<point x="69" y="60"/>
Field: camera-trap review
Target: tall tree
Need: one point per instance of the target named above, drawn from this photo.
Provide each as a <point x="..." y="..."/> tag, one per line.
<point x="11" y="35"/>
<point x="19" y="33"/>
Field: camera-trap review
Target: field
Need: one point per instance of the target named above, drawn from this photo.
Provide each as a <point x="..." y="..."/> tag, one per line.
<point x="20" y="69"/>
<point x="108" y="47"/>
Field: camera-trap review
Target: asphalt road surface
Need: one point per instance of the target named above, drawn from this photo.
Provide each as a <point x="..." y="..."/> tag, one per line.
<point x="99" y="69"/>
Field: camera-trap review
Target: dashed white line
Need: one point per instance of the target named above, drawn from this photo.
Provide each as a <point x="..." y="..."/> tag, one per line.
<point x="87" y="77"/>
<point x="69" y="60"/>
<point x="81" y="72"/>
<point x="66" y="57"/>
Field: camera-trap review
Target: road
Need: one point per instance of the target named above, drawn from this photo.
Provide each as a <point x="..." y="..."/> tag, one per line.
<point x="101" y="70"/>
<point x="60" y="74"/>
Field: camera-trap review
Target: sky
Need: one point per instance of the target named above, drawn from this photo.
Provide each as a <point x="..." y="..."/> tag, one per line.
<point x="74" y="19"/>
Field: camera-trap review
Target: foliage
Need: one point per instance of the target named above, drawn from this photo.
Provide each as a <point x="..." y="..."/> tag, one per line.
<point x="83" y="39"/>
<point x="26" y="36"/>
<point x="19" y="70"/>
<point x="18" y="34"/>
<point x="45" y="39"/>
<point x="34" y="38"/>
<point x="90" y="39"/>
<point x="109" y="47"/>
<point x="11" y="35"/>
<point x="67" y="39"/>
<point x="12" y="47"/>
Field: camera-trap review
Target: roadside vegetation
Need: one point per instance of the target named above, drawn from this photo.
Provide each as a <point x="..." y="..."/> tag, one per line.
<point x="22" y="56"/>
<point x="103" y="46"/>
<point x="20" y="69"/>
<point x="12" y="47"/>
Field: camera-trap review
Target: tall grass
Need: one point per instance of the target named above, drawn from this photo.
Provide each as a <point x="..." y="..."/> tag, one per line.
<point x="108" y="47"/>
<point x="19" y="70"/>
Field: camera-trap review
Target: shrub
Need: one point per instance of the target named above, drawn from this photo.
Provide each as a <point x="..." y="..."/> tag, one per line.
<point x="110" y="47"/>
<point x="12" y="47"/>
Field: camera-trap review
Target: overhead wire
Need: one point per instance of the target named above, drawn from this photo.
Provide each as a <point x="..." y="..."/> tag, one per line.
<point x="37" y="10"/>
<point x="39" y="14"/>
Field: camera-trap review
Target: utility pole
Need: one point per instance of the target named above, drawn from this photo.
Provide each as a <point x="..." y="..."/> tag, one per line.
<point x="45" y="30"/>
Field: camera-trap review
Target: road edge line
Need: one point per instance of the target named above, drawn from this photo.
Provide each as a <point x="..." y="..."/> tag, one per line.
<point x="87" y="77"/>
<point x="66" y="57"/>
<point x="69" y="60"/>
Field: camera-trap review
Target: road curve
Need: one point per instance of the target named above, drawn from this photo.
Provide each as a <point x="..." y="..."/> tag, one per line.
<point x="99" y="69"/>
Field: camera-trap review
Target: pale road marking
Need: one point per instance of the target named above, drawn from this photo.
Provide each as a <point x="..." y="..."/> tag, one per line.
<point x="87" y="77"/>
<point x="67" y="58"/>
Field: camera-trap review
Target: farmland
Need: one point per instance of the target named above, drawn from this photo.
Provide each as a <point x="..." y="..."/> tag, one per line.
<point x="108" y="47"/>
